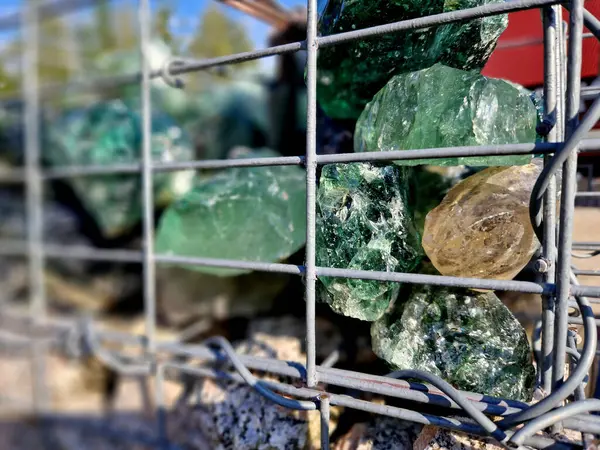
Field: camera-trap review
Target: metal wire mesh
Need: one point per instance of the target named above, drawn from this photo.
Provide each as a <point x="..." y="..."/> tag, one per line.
<point x="557" y="280"/>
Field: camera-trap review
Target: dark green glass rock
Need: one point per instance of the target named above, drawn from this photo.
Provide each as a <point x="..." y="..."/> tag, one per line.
<point x="249" y="213"/>
<point x="364" y="222"/>
<point x="445" y="107"/>
<point x="230" y="115"/>
<point x="351" y="73"/>
<point x="107" y="134"/>
<point x="468" y="338"/>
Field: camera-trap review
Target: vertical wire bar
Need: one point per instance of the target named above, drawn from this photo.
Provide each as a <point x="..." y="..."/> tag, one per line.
<point x="561" y="40"/>
<point x="147" y="184"/>
<point x="325" y="412"/>
<point x="569" y="187"/>
<point x="311" y="188"/>
<point x="551" y="25"/>
<point x="30" y="37"/>
<point x="579" y="393"/>
<point x="161" y="419"/>
<point x="149" y="278"/>
<point x="561" y="68"/>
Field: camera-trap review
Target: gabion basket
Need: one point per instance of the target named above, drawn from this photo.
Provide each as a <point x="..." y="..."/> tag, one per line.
<point x="557" y="278"/>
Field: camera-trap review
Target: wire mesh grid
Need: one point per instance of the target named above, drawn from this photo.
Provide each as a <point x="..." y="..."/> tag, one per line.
<point x="557" y="279"/>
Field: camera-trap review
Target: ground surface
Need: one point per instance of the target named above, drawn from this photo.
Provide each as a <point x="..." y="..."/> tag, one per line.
<point x="75" y="392"/>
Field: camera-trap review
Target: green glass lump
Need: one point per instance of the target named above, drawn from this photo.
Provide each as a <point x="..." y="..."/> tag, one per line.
<point x="248" y="213"/>
<point x="107" y="134"/>
<point x="445" y="107"/>
<point x="364" y="222"/>
<point x="351" y="73"/>
<point x="468" y="338"/>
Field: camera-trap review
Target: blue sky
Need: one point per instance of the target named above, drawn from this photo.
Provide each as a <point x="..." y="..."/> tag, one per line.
<point x="187" y="12"/>
<point x="256" y="29"/>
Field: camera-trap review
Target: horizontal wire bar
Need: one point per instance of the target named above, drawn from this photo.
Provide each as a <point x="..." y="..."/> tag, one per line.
<point x="588" y="194"/>
<point x="586" y="256"/>
<point x="10" y="248"/>
<point x="95" y="254"/>
<point x="53" y="173"/>
<point x="583" y="423"/>
<point x="77" y="171"/>
<point x="440" y="280"/>
<point x="590" y="92"/>
<point x="586" y="246"/>
<point x="13" y="176"/>
<point x="585" y="291"/>
<point x="502" y="45"/>
<point x="389" y="386"/>
<point x="477" y="12"/>
<point x="230" y="163"/>
<point x="18" y="174"/>
<point x="595" y="301"/>
<point x="195" y="66"/>
<point x="579" y="321"/>
<point x="231" y="264"/>
<point x="80" y="85"/>
<point x="589" y="273"/>
<point x="444" y="152"/>
<point x="13" y="248"/>
<point x="592" y="144"/>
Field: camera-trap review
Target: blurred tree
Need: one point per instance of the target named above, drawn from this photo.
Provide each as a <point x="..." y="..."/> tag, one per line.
<point x="113" y="29"/>
<point x="9" y="82"/>
<point x="126" y="28"/>
<point x="219" y="35"/>
<point x="108" y="44"/>
<point x="55" y="61"/>
<point x="161" y="28"/>
<point x="103" y="24"/>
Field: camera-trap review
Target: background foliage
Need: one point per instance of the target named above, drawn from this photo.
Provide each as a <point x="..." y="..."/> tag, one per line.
<point x="71" y="49"/>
